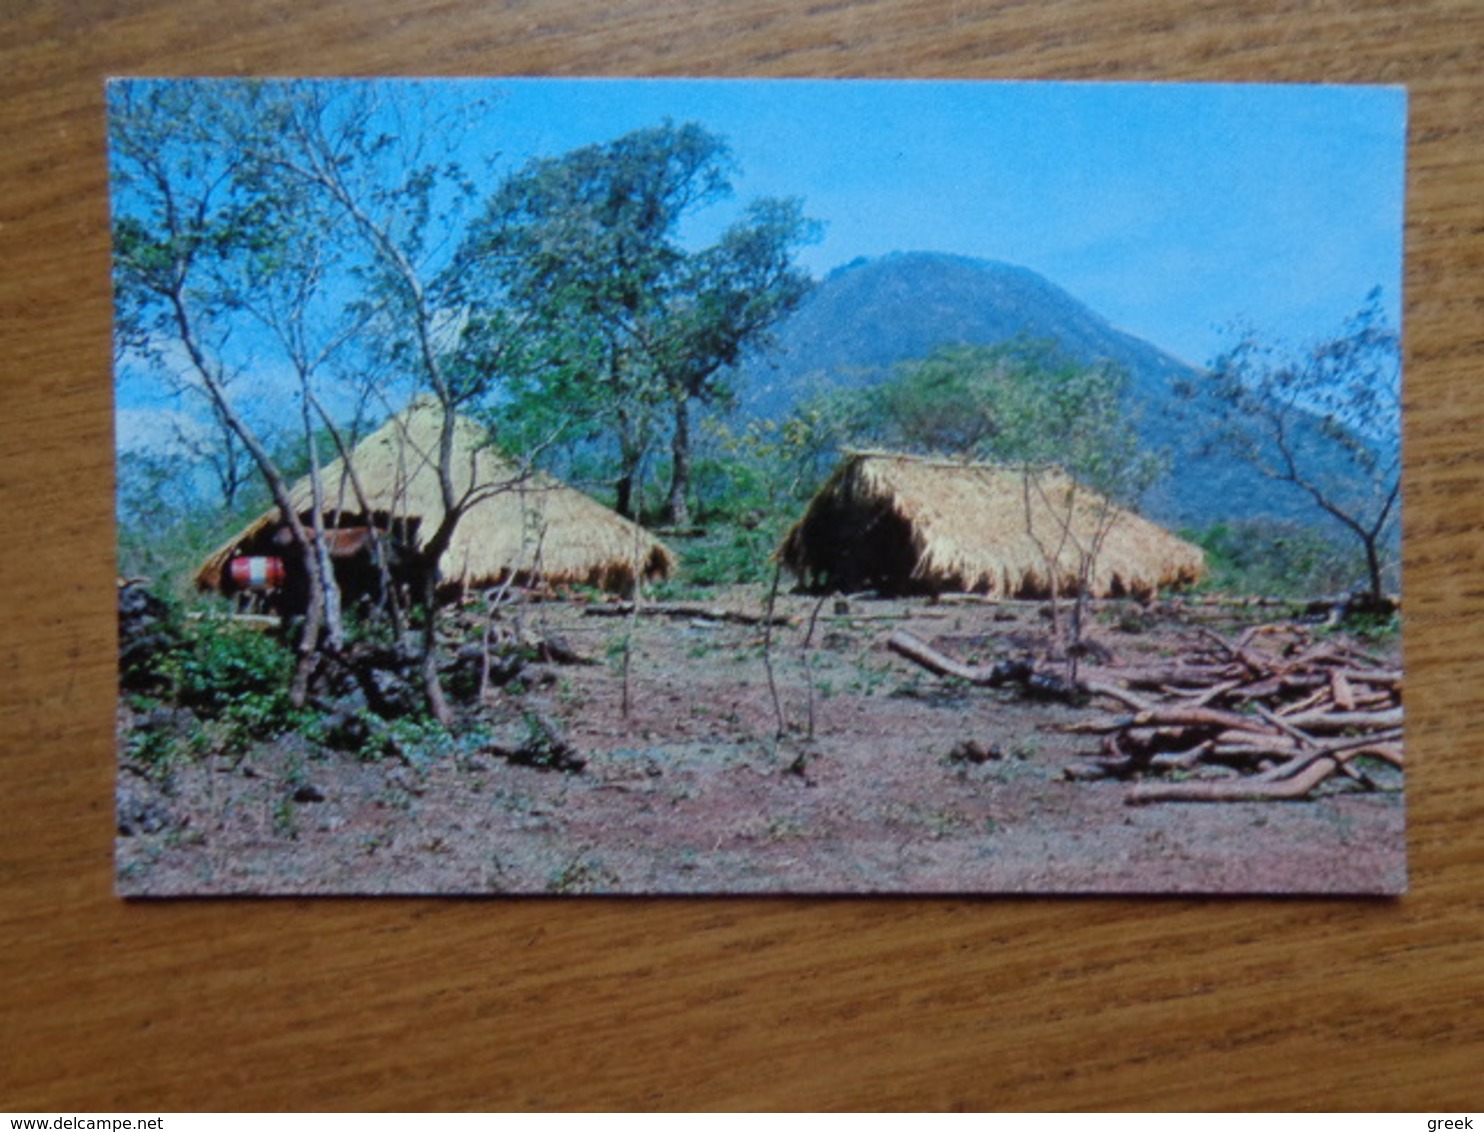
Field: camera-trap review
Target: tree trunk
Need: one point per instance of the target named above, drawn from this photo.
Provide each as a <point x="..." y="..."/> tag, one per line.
<point x="624" y="488"/>
<point x="277" y="487"/>
<point x="1373" y="568"/>
<point x="309" y="635"/>
<point x="317" y="560"/>
<point x="1052" y="560"/>
<point x="677" y="509"/>
<point x="432" y="689"/>
<point x="428" y="570"/>
<point x="629" y="501"/>
<point x="390" y="601"/>
<point x="313" y="632"/>
<point x="334" y="635"/>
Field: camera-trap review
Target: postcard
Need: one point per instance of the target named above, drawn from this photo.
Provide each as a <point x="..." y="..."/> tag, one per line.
<point x="536" y="486"/>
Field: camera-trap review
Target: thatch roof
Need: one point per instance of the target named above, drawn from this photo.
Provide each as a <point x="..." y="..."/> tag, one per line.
<point x="907" y="524"/>
<point x="528" y="527"/>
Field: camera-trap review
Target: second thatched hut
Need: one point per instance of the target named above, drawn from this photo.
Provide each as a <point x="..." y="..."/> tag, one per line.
<point x="908" y="524"/>
<point x="523" y="527"/>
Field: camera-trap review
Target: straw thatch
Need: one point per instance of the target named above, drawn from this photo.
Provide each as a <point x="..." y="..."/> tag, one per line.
<point x="907" y="524"/>
<point x="531" y="527"/>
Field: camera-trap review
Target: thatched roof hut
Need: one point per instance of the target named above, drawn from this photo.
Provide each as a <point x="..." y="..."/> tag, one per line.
<point x="909" y="524"/>
<point x="527" y="527"/>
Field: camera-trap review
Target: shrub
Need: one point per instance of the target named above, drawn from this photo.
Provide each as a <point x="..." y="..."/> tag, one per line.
<point x="1276" y="559"/>
<point x="729" y="555"/>
<point x="223" y="665"/>
<point x="151" y="747"/>
<point x="237" y="676"/>
<point x="419" y="742"/>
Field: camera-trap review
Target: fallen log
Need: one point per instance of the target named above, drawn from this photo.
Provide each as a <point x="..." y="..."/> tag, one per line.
<point x="1114" y="692"/>
<point x="904" y="615"/>
<point x="1345" y="720"/>
<point x="1291" y="681"/>
<point x="969" y="599"/>
<point x="1342" y="753"/>
<point x="1158" y="677"/>
<point x="1254" y="789"/>
<point x="1182" y="760"/>
<point x="1200" y="697"/>
<point x="1179" y="715"/>
<point x="1308" y="703"/>
<point x="1342" y="692"/>
<point x="1291" y="779"/>
<point x="1273" y="706"/>
<point x="1379" y="677"/>
<point x="700" y="613"/>
<point x="1387" y="752"/>
<point x="1227" y="601"/>
<point x="555" y="650"/>
<point x="1288" y="727"/>
<point x="915" y="649"/>
<point x="1020" y="673"/>
<point x="1277" y="685"/>
<point x="1363" y="743"/>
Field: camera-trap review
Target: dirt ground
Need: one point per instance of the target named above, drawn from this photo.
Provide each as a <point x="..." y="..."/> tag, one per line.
<point x="687" y="788"/>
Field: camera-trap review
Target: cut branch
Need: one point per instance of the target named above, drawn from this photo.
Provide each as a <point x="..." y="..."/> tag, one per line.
<point x="691" y="612"/>
<point x="1246" y="790"/>
<point x="939" y="664"/>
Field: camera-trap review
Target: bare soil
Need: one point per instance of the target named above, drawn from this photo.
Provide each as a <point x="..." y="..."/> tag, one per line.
<point x="688" y="787"/>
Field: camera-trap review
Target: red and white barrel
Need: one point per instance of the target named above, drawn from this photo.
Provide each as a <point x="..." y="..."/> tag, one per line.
<point x="256" y="573"/>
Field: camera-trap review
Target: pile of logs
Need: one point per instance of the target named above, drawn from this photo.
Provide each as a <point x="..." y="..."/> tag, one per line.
<point x="1278" y="710"/>
<point x="1273" y="713"/>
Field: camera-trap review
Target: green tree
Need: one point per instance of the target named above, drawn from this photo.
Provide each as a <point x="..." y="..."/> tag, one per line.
<point x="1326" y="421"/>
<point x="184" y="216"/>
<point x="1026" y="405"/>
<point x="335" y="144"/>
<point x="588" y="246"/>
<point x="725" y="302"/>
<point x="958" y="401"/>
<point x="312" y="211"/>
<point x="1022" y="403"/>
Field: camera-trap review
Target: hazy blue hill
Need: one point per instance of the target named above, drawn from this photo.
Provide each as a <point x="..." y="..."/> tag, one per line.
<point x="870" y="314"/>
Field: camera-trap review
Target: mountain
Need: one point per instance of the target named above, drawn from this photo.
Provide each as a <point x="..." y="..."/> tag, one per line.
<point x="871" y="314"/>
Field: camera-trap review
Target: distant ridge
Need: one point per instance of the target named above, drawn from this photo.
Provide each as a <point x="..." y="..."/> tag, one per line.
<point x="868" y="315"/>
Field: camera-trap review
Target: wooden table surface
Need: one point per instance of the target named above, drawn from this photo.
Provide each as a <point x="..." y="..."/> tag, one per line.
<point x="715" y="1003"/>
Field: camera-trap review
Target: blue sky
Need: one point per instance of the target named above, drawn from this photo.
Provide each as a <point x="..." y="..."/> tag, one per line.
<point x="1171" y="209"/>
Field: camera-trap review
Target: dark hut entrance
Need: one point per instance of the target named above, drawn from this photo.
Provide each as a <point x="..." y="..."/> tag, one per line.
<point x="862" y="548"/>
<point x="269" y="573"/>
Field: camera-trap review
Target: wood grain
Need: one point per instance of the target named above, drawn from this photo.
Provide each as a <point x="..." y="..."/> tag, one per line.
<point x="996" y="1003"/>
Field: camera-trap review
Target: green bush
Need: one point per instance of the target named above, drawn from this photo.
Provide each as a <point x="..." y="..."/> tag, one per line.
<point x="1273" y="558"/>
<point x="224" y="665"/>
<point x="418" y="742"/>
<point x="238" y="676"/>
<point x="750" y="482"/>
<point x="151" y="747"/>
<point x="729" y="555"/>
